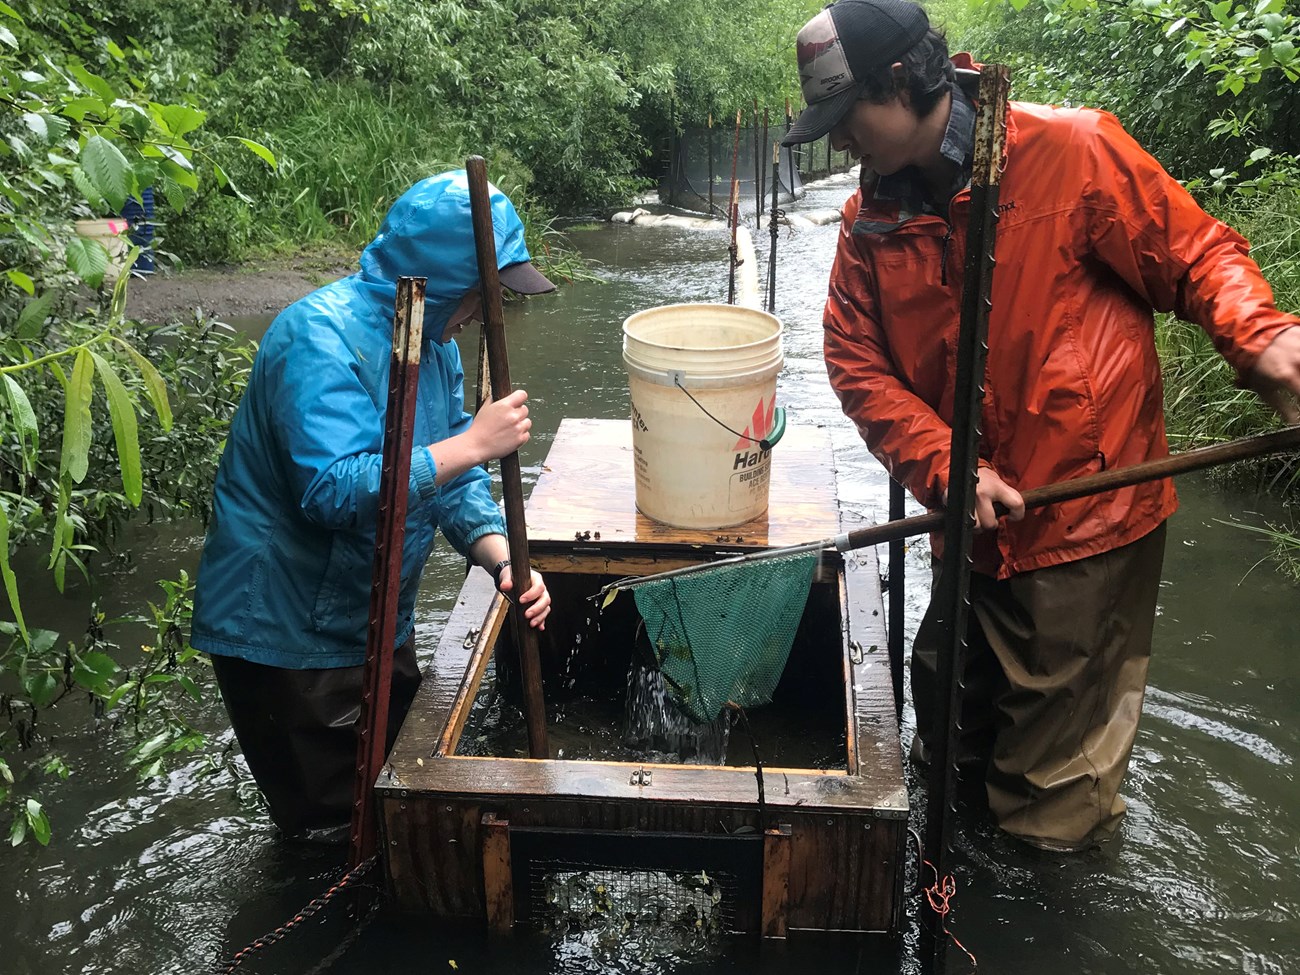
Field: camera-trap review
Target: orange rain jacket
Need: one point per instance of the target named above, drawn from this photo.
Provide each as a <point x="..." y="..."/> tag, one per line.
<point x="1093" y="235"/>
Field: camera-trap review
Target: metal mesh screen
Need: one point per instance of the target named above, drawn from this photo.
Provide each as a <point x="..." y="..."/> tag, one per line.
<point x="679" y="911"/>
<point x="668" y="893"/>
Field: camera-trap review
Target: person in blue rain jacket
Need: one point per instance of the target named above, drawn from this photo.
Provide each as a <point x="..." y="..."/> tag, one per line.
<point x="283" y="587"/>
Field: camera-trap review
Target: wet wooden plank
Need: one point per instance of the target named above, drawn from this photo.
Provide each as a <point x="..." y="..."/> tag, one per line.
<point x="491" y="777"/>
<point x="498" y="880"/>
<point x="871" y="692"/>
<point x="444" y="678"/>
<point x="776" y="880"/>
<point x="587" y="488"/>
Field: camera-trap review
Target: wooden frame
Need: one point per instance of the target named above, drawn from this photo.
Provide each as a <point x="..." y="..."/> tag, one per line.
<point x="834" y="841"/>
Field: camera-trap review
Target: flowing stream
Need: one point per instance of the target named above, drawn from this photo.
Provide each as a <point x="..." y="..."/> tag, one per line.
<point x="168" y="876"/>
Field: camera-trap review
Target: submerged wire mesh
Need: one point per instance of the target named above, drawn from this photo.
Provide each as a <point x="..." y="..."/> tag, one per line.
<point x="724" y="634"/>
<point x="652" y="913"/>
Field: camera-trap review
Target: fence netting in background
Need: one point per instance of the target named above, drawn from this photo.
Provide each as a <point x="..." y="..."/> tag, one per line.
<point x="686" y="181"/>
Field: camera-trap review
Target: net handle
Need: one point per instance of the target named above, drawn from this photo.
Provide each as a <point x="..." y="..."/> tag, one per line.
<point x="1243" y="448"/>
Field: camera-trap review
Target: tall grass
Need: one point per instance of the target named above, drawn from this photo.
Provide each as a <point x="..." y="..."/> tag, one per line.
<point x="1203" y="402"/>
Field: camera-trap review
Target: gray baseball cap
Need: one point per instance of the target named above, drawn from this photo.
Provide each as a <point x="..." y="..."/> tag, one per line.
<point x="839" y="47"/>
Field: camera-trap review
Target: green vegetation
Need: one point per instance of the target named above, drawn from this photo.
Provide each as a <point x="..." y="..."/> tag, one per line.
<point x="569" y="100"/>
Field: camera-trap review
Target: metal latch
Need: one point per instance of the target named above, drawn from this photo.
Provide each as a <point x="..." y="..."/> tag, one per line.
<point x="855" y="651"/>
<point x="641" y="776"/>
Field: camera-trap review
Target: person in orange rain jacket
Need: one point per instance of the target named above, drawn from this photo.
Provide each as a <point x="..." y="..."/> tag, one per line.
<point x="1093" y="236"/>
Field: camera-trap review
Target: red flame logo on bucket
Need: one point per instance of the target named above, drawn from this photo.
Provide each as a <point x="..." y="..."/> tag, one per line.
<point x="760" y="424"/>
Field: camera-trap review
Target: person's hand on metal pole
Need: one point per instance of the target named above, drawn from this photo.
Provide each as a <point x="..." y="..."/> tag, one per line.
<point x="991" y="490"/>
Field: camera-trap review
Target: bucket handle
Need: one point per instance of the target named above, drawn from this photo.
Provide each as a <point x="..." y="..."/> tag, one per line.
<point x="766" y="443"/>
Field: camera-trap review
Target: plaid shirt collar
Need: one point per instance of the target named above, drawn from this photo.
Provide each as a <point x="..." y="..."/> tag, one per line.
<point x="909" y="189"/>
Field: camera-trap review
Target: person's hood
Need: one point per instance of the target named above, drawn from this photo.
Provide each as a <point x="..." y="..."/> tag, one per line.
<point x="429" y="233"/>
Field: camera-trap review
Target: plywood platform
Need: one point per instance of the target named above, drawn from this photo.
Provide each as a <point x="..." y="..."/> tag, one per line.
<point x="826" y="845"/>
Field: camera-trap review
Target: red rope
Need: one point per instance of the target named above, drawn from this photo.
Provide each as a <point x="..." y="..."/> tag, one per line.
<point x="938" y="895"/>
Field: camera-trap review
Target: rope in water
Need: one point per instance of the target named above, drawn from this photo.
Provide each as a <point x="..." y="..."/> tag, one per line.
<point x="313" y="907"/>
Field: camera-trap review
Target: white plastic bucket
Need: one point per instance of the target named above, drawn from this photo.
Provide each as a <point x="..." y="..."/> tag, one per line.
<point x="704" y="415"/>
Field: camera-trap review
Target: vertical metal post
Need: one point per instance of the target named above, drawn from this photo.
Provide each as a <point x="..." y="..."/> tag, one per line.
<point x="672" y="152"/>
<point x="794" y="150"/>
<point x="897" y="596"/>
<point x="828" y="155"/>
<point x="511" y="484"/>
<point x="758" y="168"/>
<point x="954" y="585"/>
<point x="386" y="574"/>
<point x="762" y="183"/>
<point x="711" y="208"/>
<point x="773" y="228"/>
<point x="733" y="211"/>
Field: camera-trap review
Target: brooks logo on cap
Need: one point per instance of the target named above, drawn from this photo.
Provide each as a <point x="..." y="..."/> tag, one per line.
<point x="822" y="68"/>
<point x="840" y="48"/>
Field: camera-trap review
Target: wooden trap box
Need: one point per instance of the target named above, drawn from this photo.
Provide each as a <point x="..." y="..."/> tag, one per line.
<point x="482" y="837"/>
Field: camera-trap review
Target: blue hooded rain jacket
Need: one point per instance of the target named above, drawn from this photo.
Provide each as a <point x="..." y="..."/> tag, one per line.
<point x="285" y="575"/>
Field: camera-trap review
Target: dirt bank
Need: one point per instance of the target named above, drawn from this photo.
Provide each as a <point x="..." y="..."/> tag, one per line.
<point x="246" y="291"/>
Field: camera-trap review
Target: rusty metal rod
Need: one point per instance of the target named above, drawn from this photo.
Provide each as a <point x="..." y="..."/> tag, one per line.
<point x="1202" y="458"/>
<point x="897" y="596"/>
<point x="773" y="226"/>
<point x="711" y="208"/>
<point x="511" y="483"/>
<point x="733" y="214"/>
<point x="386" y="574"/>
<point x="953" y="595"/>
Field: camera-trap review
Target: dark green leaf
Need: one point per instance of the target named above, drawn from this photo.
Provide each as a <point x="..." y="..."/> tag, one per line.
<point x="24" y="419"/>
<point x="119" y="692"/>
<point x="23" y="281"/>
<point x="18" y="832"/>
<point x="7" y="573"/>
<point x="125" y="430"/>
<point x="191" y="688"/>
<point x="107" y="169"/>
<point x="57" y="126"/>
<point x="41" y="688"/>
<point x="260" y="151"/>
<point x="44" y="640"/>
<point x="224" y="181"/>
<point x="154" y="386"/>
<point x="181" y="119"/>
<point x="77" y="430"/>
<point x="101" y="665"/>
<point x="87" y="259"/>
<point x="174" y="194"/>
<point x="31" y="322"/>
<point x="78" y="108"/>
<point x="83" y="183"/>
<point x="93" y="82"/>
<point x="9" y="11"/>
<point x="39" y="822"/>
